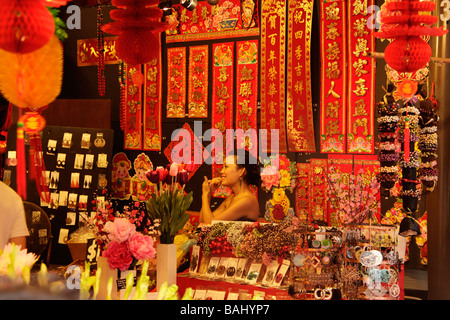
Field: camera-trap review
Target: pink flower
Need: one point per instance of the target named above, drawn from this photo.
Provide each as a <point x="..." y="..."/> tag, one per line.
<point x="120" y="229"/>
<point x="270" y="177"/>
<point x="118" y="255"/>
<point x="141" y="246"/>
<point x="173" y="170"/>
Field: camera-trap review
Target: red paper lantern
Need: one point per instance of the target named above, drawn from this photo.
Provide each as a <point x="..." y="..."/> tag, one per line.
<point x="138" y="26"/>
<point x="25" y="25"/>
<point x="407" y="54"/>
<point x="135" y="47"/>
<point x="406" y="24"/>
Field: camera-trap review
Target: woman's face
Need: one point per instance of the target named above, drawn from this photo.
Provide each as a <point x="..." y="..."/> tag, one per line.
<point x="231" y="173"/>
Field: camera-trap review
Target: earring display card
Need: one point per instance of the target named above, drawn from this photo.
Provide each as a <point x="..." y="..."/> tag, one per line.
<point x="73" y="169"/>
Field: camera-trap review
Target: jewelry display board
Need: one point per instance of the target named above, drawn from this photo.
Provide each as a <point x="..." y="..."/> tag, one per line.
<point x="78" y="168"/>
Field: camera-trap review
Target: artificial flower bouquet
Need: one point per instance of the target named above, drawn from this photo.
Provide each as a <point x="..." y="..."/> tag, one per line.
<point x="167" y="206"/>
<point x="16" y="262"/>
<point x="278" y="172"/>
<point x="124" y="237"/>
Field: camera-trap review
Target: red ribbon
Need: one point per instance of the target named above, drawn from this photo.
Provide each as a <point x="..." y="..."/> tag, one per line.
<point x="133" y="108"/>
<point x="176" y="82"/>
<point x="334" y="77"/>
<point x="361" y="82"/>
<point x="273" y="86"/>
<point x="198" y="82"/>
<point x="222" y="106"/>
<point x="299" y="113"/>
<point x="152" y="105"/>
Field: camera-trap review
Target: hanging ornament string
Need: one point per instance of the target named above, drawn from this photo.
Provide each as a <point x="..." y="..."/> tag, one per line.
<point x="123" y="98"/>
<point x="406" y="141"/>
<point x="33" y="124"/>
<point x="21" y="162"/>
<point x="101" y="53"/>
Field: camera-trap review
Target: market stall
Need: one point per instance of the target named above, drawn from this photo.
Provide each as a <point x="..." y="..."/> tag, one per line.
<point x="335" y="101"/>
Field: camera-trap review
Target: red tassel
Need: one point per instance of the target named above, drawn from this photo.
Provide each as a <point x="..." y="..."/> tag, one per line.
<point x="406" y="146"/>
<point x="21" y="163"/>
<point x="37" y="166"/>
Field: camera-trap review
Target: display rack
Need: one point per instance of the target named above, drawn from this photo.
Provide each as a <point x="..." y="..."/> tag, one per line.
<point x="78" y="167"/>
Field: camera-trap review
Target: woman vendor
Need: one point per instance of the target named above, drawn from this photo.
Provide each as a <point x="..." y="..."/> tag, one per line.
<point x="238" y="173"/>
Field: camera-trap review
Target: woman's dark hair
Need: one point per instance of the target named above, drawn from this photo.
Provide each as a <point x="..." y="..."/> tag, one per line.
<point x="245" y="159"/>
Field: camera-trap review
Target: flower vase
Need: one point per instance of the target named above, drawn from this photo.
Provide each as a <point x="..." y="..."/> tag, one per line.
<point x="166" y="264"/>
<point x="118" y="281"/>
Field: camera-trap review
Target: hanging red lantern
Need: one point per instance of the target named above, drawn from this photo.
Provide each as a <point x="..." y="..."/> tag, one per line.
<point x="137" y="24"/>
<point x="407" y="54"/>
<point x="25" y="25"/>
<point x="134" y="47"/>
<point x="407" y="26"/>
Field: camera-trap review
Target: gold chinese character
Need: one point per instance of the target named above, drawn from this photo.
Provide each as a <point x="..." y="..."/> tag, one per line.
<point x="332" y="92"/>
<point x="272" y="90"/>
<point x="359" y="67"/>
<point x="272" y="56"/>
<point x="272" y="123"/>
<point x="197" y="83"/>
<point x="299" y="87"/>
<point x="360" y="27"/>
<point x="332" y="32"/>
<point x="223" y="75"/>
<point x="198" y="69"/>
<point x="360" y="123"/>
<point x="360" y="108"/>
<point x="333" y="51"/>
<point x="272" y="73"/>
<point x="333" y="71"/>
<point x="272" y="21"/>
<point x="298" y="70"/>
<point x="184" y="17"/>
<point x="152" y="90"/>
<point x="132" y="90"/>
<point x="174" y="72"/>
<point x="298" y="17"/>
<point x="221" y="106"/>
<point x="272" y="107"/>
<point x="332" y="11"/>
<point x="205" y="12"/>
<point x="245" y="89"/>
<point x="197" y="96"/>
<point x="298" y="52"/>
<point x="361" y="88"/>
<point x="222" y="92"/>
<point x="361" y="47"/>
<point x="175" y="84"/>
<point x="332" y="128"/>
<point x="195" y="16"/>
<point x="332" y="109"/>
<point x="246" y="74"/>
<point x="273" y="39"/>
<point x="221" y="125"/>
<point x="360" y="7"/>
<point x="245" y="110"/>
<point x="245" y="124"/>
<point x="152" y="73"/>
<point x="198" y="57"/>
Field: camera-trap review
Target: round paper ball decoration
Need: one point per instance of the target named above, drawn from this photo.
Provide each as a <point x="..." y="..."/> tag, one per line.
<point x="25" y="25"/>
<point x="137" y="47"/>
<point x="407" y="54"/>
<point x="33" y="80"/>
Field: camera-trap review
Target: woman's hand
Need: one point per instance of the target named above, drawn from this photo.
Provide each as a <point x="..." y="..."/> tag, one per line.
<point x="215" y="183"/>
<point x="209" y="186"/>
